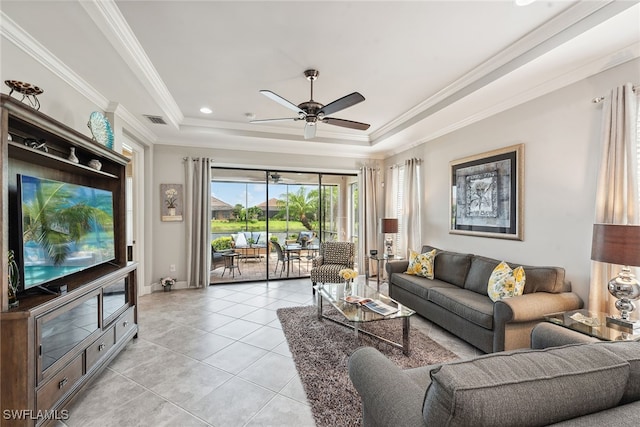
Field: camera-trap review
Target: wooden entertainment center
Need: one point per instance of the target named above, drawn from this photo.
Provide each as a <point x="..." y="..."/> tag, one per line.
<point x="52" y="345"/>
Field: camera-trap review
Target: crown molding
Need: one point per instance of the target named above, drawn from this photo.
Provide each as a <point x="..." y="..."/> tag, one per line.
<point x="133" y="125"/>
<point x="251" y="129"/>
<point x="599" y="65"/>
<point x="106" y="15"/>
<point x="25" y="42"/>
<point x="567" y="25"/>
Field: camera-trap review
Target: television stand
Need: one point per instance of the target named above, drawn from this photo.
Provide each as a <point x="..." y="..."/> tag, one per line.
<point x="45" y="290"/>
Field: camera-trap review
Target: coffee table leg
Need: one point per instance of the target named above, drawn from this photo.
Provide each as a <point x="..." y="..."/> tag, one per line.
<point x="405" y="335"/>
<point x="319" y="306"/>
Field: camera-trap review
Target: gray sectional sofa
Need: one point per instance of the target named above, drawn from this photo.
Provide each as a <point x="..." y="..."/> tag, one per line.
<point x="589" y="384"/>
<point x="457" y="300"/>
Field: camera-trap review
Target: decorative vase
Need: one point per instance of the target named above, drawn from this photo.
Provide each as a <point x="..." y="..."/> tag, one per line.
<point x="72" y="155"/>
<point x="167" y="288"/>
<point x="95" y="164"/>
<point x="347" y="287"/>
<point x="172" y="211"/>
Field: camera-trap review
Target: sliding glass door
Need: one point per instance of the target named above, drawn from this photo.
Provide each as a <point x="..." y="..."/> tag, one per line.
<point x="269" y="224"/>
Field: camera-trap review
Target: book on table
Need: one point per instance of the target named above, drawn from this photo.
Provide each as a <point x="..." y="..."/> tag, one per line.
<point x="374" y="305"/>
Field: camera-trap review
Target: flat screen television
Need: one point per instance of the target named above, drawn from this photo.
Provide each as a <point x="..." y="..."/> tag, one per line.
<point x="64" y="228"/>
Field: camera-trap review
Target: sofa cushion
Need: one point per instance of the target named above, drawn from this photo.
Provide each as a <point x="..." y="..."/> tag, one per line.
<point x="451" y="267"/>
<point x="421" y="264"/>
<point x="525" y="387"/>
<point x="544" y="279"/>
<point x="629" y="351"/>
<point x="539" y="279"/>
<point x="469" y="305"/>
<point x="479" y="274"/>
<point x="241" y="240"/>
<point x="418" y="286"/>
<point x="505" y="282"/>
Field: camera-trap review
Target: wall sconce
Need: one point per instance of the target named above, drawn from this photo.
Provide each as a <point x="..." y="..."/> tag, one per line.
<point x="619" y="244"/>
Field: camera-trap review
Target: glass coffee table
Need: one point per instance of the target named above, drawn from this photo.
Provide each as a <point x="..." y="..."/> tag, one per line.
<point x="593" y="324"/>
<point x="355" y="313"/>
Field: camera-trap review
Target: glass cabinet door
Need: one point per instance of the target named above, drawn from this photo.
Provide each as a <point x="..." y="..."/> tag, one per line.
<point x="114" y="298"/>
<point x="61" y="331"/>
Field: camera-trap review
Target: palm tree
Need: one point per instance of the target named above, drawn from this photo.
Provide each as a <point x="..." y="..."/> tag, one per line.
<point x="55" y="219"/>
<point x="301" y="205"/>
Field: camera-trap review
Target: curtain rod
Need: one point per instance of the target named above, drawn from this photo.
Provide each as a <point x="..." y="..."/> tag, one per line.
<point x="197" y="159"/>
<point x="599" y="99"/>
<point x="397" y="165"/>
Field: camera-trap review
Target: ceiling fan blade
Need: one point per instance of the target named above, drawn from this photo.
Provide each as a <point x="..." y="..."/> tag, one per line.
<point x="342" y="103"/>
<point x="309" y="131"/>
<point x="346" y="123"/>
<point x="284" y="119"/>
<point x="280" y="100"/>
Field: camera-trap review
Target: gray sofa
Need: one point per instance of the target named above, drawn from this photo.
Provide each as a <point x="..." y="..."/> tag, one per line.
<point x="588" y="384"/>
<point x="457" y="300"/>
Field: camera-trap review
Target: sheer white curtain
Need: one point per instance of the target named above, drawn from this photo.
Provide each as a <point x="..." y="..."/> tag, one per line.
<point x="412" y="206"/>
<point x="394" y="186"/>
<point x="617" y="192"/>
<point x="198" y="220"/>
<point x="369" y="183"/>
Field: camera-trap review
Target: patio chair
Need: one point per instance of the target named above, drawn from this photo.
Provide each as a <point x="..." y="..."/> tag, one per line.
<point x="285" y="257"/>
<point x="334" y="256"/>
<point x="217" y="260"/>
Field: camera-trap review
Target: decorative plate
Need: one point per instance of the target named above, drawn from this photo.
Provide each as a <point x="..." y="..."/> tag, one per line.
<point x="28" y="91"/>
<point x="23" y="88"/>
<point x="101" y="129"/>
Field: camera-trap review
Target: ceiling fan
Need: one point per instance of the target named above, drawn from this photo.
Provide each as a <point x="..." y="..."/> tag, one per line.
<point x="313" y="112"/>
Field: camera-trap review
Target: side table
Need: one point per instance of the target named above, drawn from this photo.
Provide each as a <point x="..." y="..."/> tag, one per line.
<point x="380" y="264"/>
<point x="230" y="263"/>
<point x="593" y="324"/>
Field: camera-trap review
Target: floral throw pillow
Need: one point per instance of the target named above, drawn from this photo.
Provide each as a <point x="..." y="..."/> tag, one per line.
<point x="421" y="264"/>
<point x="505" y="282"/>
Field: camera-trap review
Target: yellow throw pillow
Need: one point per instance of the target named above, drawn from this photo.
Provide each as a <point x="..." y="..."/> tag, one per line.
<point x="506" y="283"/>
<point x="421" y="264"/>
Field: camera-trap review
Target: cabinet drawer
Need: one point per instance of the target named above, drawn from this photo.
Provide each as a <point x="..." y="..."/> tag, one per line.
<point x="59" y="385"/>
<point x="124" y="324"/>
<point x="100" y="347"/>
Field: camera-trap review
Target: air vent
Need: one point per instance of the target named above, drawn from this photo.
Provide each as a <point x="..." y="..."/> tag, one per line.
<point x="158" y="120"/>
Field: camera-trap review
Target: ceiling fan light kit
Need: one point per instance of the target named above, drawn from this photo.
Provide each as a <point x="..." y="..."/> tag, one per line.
<point x="313" y="112"/>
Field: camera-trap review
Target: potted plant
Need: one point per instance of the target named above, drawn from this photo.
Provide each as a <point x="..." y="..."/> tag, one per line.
<point x="171" y="199"/>
<point x="167" y="283"/>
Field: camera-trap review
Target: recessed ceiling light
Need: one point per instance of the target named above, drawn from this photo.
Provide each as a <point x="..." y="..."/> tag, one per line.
<point x="523" y="2"/>
<point x="206" y="110"/>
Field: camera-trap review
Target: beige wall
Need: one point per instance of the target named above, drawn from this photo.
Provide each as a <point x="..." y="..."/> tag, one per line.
<point x="561" y="133"/>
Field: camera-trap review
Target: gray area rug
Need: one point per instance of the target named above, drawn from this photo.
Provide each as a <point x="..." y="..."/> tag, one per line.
<point x="321" y="350"/>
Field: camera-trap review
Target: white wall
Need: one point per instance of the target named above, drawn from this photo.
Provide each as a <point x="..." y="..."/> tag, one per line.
<point x="561" y="133"/>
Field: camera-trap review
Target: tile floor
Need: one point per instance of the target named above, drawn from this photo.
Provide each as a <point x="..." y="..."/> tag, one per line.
<point x="211" y="357"/>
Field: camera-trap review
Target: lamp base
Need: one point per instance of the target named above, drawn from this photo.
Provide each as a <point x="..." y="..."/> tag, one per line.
<point x="627" y="324"/>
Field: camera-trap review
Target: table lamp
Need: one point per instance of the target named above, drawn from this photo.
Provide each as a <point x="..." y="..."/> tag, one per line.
<point x="619" y="244"/>
<point x="388" y="226"/>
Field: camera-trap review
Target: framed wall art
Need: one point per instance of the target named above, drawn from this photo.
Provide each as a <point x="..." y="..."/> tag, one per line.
<point x="172" y="198"/>
<point x="486" y="194"/>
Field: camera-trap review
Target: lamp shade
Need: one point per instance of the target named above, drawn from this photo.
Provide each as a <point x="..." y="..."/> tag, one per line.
<point x="616" y="244"/>
<point x="388" y="225"/>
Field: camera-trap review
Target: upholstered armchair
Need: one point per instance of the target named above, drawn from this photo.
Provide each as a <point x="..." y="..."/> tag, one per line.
<point x="334" y="256"/>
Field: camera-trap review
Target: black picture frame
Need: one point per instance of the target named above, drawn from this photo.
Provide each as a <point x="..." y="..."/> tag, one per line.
<point x="486" y="194"/>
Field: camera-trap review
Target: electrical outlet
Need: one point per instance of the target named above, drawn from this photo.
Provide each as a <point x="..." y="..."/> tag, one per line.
<point x="172" y="267"/>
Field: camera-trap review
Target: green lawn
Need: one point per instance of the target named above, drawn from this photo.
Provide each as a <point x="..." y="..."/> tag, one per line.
<point x="275" y="226"/>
